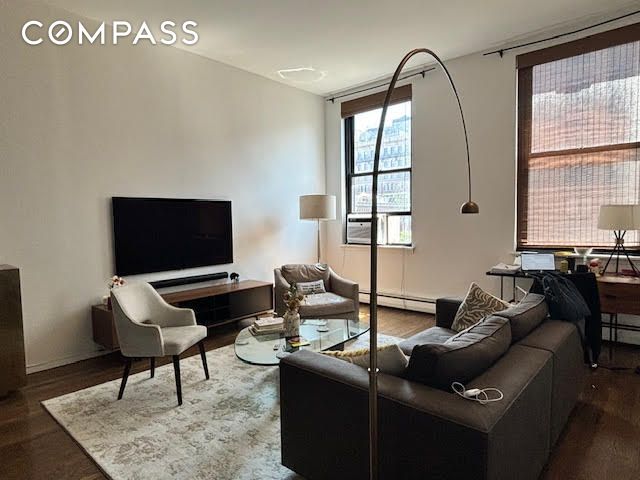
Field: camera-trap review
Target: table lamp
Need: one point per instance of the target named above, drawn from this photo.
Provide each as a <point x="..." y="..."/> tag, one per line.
<point x="619" y="218"/>
<point x="318" y="207"/>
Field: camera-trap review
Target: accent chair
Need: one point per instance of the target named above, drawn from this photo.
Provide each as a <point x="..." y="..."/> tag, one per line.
<point x="148" y="327"/>
<point x="340" y="299"/>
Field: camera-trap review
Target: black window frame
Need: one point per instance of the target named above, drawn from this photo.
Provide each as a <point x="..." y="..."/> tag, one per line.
<point x="350" y="174"/>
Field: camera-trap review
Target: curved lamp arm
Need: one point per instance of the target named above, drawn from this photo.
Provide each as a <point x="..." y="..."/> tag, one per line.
<point x="468" y="207"/>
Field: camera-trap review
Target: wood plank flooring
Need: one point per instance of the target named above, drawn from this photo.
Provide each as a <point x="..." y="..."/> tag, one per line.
<point x="601" y="441"/>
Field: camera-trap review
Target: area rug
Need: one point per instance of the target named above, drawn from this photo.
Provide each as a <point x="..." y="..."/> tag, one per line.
<point x="227" y="428"/>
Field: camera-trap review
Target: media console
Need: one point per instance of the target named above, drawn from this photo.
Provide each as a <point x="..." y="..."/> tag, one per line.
<point x="214" y="304"/>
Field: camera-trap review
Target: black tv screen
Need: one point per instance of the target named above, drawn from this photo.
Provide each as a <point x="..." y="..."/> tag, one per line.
<point x="159" y="234"/>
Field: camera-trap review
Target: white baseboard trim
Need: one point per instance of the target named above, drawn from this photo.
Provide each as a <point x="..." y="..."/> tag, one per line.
<point x="425" y="305"/>
<point x="60" y="362"/>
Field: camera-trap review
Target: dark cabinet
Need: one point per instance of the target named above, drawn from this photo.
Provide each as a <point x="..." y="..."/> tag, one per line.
<point x="13" y="372"/>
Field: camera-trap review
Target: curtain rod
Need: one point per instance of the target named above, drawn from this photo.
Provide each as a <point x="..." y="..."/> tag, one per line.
<point x="415" y="74"/>
<point x="522" y="45"/>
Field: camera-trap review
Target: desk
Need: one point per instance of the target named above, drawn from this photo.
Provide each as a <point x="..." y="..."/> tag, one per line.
<point x="513" y="276"/>
<point x="619" y="294"/>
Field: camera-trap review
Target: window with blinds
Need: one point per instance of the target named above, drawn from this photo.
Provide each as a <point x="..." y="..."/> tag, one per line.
<point x="578" y="139"/>
<point x="361" y="120"/>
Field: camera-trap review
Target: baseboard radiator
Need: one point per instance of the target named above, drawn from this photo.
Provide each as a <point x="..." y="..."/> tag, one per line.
<point x="404" y="302"/>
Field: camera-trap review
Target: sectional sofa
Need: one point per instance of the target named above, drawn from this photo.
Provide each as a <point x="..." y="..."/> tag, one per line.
<point x="425" y="430"/>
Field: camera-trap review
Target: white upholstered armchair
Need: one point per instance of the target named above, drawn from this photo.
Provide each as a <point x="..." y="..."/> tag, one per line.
<point x="148" y="327"/>
<point x="339" y="300"/>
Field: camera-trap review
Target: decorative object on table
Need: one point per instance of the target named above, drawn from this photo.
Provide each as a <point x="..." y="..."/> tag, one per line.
<point x="619" y="218"/>
<point x="584" y="252"/>
<point x="267" y="326"/>
<point x="114" y="282"/>
<point x="594" y="266"/>
<point x="235" y="277"/>
<point x="292" y="299"/>
<point x="469" y="207"/>
<point x="297" y="342"/>
<point x="564" y="265"/>
<point x="318" y="207"/>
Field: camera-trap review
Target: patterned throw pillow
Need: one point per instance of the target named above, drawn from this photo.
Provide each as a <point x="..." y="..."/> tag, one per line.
<point x="310" y="288"/>
<point x="391" y="360"/>
<point x="476" y="306"/>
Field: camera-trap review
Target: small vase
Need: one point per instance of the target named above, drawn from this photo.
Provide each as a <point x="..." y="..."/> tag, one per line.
<point x="291" y="324"/>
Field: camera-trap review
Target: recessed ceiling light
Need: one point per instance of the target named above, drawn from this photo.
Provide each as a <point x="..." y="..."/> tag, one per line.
<point x="301" y="75"/>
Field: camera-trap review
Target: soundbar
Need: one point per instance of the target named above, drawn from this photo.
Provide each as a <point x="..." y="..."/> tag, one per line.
<point x="173" y="282"/>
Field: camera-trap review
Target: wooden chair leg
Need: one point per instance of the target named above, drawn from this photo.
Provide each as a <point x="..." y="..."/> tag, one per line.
<point x="152" y="361"/>
<point x="176" y="369"/>
<point x="203" y="355"/>
<point x="125" y="375"/>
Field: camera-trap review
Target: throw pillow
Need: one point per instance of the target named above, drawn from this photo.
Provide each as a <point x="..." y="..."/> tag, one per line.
<point x="461" y="358"/>
<point x="310" y="288"/>
<point x="526" y="315"/>
<point x="391" y="360"/>
<point x="476" y="305"/>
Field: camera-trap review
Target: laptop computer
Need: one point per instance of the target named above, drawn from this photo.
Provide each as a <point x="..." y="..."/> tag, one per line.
<point x="537" y="262"/>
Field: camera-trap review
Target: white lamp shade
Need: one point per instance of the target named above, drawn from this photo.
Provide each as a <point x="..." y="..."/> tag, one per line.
<point x="317" y="207"/>
<point x="619" y="217"/>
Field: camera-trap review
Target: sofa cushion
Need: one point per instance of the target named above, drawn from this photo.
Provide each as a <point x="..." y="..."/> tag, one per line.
<point x="430" y="335"/>
<point x="526" y="315"/>
<point x="477" y="305"/>
<point x="307" y="273"/>
<point x="390" y="358"/>
<point x="562" y="340"/>
<point x="309" y="288"/>
<point x="178" y="339"/>
<point x="324" y="304"/>
<point x="463" y="356"/>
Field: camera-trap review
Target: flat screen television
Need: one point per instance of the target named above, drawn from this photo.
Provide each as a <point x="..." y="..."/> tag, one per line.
<point x="160" y="234"/>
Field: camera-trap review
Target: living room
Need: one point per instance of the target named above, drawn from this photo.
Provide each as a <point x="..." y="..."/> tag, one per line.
<point x="123" y="122"/>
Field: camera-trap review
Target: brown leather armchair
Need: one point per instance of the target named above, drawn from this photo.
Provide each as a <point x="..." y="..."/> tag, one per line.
<point x="341" y="299"/>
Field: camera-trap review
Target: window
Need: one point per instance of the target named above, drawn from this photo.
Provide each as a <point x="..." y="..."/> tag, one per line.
<point x="394" y="179"/>
<point x="578" y="139"/>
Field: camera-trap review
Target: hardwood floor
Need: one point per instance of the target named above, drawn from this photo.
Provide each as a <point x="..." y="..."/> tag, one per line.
<point x="601" y="440"/>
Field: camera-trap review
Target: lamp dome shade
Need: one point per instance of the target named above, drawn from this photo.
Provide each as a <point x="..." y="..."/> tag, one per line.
<point x="470" y="207"/>
<point x="317" y="207"/>
<point x="619" y="217"/>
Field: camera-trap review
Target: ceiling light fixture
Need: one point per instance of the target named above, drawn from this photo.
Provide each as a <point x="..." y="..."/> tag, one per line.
<point x="302" y="74"/>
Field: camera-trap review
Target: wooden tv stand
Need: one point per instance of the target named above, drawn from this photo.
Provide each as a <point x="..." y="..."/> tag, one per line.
<point x="214" y="303"/>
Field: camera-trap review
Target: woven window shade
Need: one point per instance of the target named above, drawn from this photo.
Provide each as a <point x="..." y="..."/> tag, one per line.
<point x="373" y="101"/>
<point x="578" y="145"/>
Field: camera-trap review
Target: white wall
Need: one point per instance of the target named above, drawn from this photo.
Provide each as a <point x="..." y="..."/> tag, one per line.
<point x="451" y="250"/>
<point x="82" y="124"/>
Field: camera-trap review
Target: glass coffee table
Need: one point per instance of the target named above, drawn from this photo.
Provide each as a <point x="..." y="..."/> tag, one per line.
<point x="323" y="334"/>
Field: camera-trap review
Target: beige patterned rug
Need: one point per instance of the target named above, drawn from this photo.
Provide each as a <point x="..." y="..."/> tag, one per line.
<point x="227" y="428"/>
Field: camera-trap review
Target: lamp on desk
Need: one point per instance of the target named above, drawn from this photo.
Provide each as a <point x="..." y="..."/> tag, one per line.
<point x="619" y="218"/>
<point x="318" y="207"/>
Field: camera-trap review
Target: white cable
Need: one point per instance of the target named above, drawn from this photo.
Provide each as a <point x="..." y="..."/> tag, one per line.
<point x="479" y="395"/>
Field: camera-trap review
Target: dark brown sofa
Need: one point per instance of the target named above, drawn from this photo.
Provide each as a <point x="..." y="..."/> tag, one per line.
<point x="430" y="433"/>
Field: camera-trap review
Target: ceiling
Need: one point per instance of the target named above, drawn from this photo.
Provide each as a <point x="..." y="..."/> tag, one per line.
<point x="349" y="42"/>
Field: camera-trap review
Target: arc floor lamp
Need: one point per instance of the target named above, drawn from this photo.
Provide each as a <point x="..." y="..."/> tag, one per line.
<point x="468" y="207"/>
